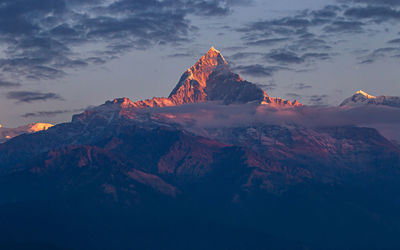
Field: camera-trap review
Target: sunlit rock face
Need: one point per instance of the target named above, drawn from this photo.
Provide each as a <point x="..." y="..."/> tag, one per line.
<point x="211" y="79"/>
<point x="8" y="133"/>
<point x="193" y="83"/>
<point x="361" y="98"/>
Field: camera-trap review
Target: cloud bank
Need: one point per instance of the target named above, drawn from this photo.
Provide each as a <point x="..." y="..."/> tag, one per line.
<point x="197" y="117"/>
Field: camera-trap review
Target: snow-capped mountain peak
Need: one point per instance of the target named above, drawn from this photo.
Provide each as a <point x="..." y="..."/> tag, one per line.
<point x="8" y="133"/>
<point x="368" y="96"/>
<point x="361" y="98"/>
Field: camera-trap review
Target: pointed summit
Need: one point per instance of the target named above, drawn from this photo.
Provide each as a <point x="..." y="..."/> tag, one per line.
<point x="214" y="56"/>
<point x="212" y="59"/>
<point x="213" y="49"/>
<point x="193" y="83"/>
<point x="211" y="79"/>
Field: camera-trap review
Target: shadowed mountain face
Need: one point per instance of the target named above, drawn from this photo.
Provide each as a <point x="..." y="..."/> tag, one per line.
<point x="120" y="176"/>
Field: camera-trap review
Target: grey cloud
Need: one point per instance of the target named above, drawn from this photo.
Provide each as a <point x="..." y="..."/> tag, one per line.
<point x="379" y="13"/>
<point x="394" y="41"/>
<point x="305" y="44"/>
<point x="8" y="84"/>
<point x="267" y="42"/>
<point x="378" y="54"/>
<point x="244" y="55"/>
<point x="31" y="96"/>
<point x="258" y="70"/>
<point x="316" y="56"/>
<point x="209" y="8"/>
<point x="288" y="57"/>
<point x="284" y="57"/>
<point x="198" y="7"/>
<point x="367" y="61"/>
<point x="382" y="51"/>
<point x="41" y="37"/>
<point x="345" y="27"/>
<point x="329" y="11"/>
<point x="50" y="113"/>
<point x="298" y="26"/>
<point x="301" y="86"/>
<point x="281" y="26"/>
<point x="267" y="86"/>
<point x="318" y="100"/>
<point x="374" y="2"/>
<point x="294" y="96"/>
<point x="234" y="48"/>
<point x="179" y="55"/>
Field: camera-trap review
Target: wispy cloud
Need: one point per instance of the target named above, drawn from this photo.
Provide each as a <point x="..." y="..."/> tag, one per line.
<point x="8" y="84"/>
<point x="31" y="96"/>
<point x="318" y="100"/>
<point x="258" y="70"/>
<point x="300" y="86"/>
<point x="50" y="113"/>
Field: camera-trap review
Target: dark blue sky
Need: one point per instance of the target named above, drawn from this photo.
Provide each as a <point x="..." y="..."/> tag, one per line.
<point x="60" y="57"/>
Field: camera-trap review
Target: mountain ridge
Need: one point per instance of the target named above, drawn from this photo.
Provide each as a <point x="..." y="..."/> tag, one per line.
<point x="361" y="98"/>
<point x="209" y="79"/>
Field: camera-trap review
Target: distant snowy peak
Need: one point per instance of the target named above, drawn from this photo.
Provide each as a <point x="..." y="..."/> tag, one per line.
<point x="361" y="98"/>
<point x="8" y="133"/>
<point x="366" y="95"/>
<point x="36" y="127"/>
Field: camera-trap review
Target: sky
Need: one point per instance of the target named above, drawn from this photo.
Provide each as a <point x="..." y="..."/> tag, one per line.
<point x="59" y="57"/>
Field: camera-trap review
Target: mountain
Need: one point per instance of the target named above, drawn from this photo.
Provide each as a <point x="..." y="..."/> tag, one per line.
<point x="210" y="79"/>
<point x="8" y="133"/>
<point x="216" y="165"/>
<point x="362" y="98"/>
